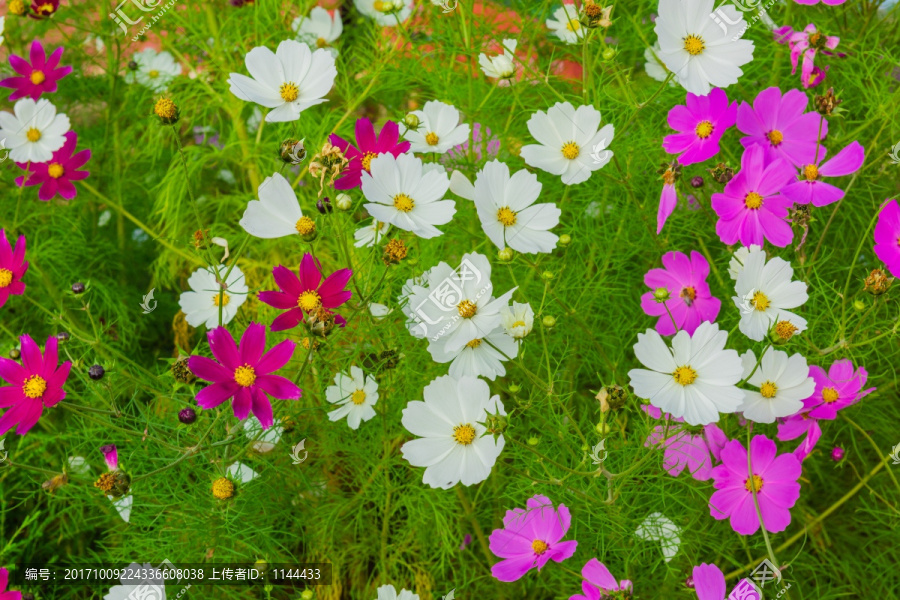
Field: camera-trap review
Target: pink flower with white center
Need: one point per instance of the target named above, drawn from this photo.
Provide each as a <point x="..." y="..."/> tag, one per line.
<point x="700" y="123"/>
<point x="887" y="237"/>
<point x="36" y="383"/>
<point x="773" y="478"/>
<point x="751" y="209"/>
<point x="599" y="583"/>
<point x="530" y="538"/>
<point x="780" y="125"/>
<point x="801" y="424"/>
<point x="689" y="300"/>
<point x="686" y="447"/>
<point x="838" y="389"/>
<point x="38" y="76"/>
<point x="12" y="268"/>
<point x="807" y="43"/>
<point x="4" y="581"/>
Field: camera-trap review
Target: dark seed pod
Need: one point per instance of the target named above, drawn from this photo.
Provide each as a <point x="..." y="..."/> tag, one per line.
<point x="96" y="372"/>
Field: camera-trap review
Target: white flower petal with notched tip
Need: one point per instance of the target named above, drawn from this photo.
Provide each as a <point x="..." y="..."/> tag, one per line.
<point x="481" y="357"/>
<point x="277" y="211"/>
<point x="783" y="383"/>
<point x="736" y="264"/>
<point x="439" y="129"/>
<point x="199" y="303"/>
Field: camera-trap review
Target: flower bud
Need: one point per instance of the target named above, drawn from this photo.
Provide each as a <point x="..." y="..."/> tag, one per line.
<point x="837" y="454"/>
<point x="495" y="424"/>
<point x="549" y="321"/>
<point x="187" y="416"/>
<point x="513" y="388"/>
<point x="78" y="288"/>
<point x="564" y="240"/>
<point x="63" y="336"/>
<point x="132" y="65"/>
<point x="547" y="275"/>
<point x="602" y="428"/>
<point x="181" y="371"/>
<point x="661" y="294"/>
<point x="292" y="151"/>
<point x="696" y="181"/>
<point x="15" y="353"/>
<point x="611" y="397"/>
<point x="223" y="488"/>
<point x="534" y="441"/>
<point x="96" y="372"/>
<point x="306" y="595"/>
<point x="324" y="205"/>
<point x="721" y="173"/>
<point x="166" y="110"/>
<point x="394" y="251"/>
<point x="411" y="121"/>
<point x="609" y="54"/>
<point x="506" y="255"/>
<point x="878" y="282"/>
<point x="343" y="201"/>
<point x="306" y="227"/>
<point x="782" y="332"/>
<point x="859" y="305"/>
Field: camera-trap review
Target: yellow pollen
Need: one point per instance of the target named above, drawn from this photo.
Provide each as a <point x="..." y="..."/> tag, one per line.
<point x="688" y="294"/>
<point x="573" y="25"/>
<point x="684" y="375"/>
<point x="289" y="91"/>
<point x="754" y="483"/>
<point x="403" y="203"/>
<point x="165" y="108"/>
<point x="33" y="135"/>
<point x="785" y="330"/>
<point x="464" y="434"/>
<point x="153" y="74"/>
<point x="753" y="200"/>
<point x="768" y="389"/>
<point x="571" y="150"/>
<point x="775" y="137"/>
<point x="16" y="7"/>
<point x="432" y="139"/>
<point x="694" y="44"/>
<point x="539" y="546"/>
<point x="518" y="324"/>
<point x="34" y="386"/>
<point x="811" y="172"/>
<point x="760" y="301"/>
<point x="5" y="277"/>
<point x="222" y="488"/>
<point x="305" y="225"/>
<point x="474" y="343"/>
<point x="358" y="397"/>
<point x="367" y="160"/>
<point x="221" y="299"/>
<point x="56" y="170"/>
<point x="309" y="300"/>
<point x="382" y="6"/>
<point x="106" y="482"/>
<point x="829" y="395"/>
<point x="321" y="43"/>
<point x="704" y="129"/>
<point x="37" y="77"/>
<point x="467" y="309"/>
<point x="244" y="376"/>
<point x="506" y="216"/>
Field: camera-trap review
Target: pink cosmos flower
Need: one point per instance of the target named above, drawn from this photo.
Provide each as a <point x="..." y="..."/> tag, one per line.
<point x="839" y="388"/>
<point x="599" y="582"/>
<point x="887" y="237"/>
<point x="807" y="43"/>
<point x="700" y="124"/>
<point x="811" y="189"/>
<point x="684" y="449"/>
<point x="36" y="383"/>
<point x="4" y="581"/>
<point x="773" y="478"/>
<point x="110" y="456"/>
<point x="709" y="583"/>
<point x="751" y="209"/>
<point x="12" y="268"/>
<point x="306" y="293"/>
<point x="530" y="538"/>
<point x="56" y="175"/>
<point x="37" y="77"/>
<point x="780" y="125"/>
<point x="690" y="302"/>
<point x="799" y="424"/>
<point x="368" y="148"/>
<point x="668" y="199"/>
<point x="244" y="373"/>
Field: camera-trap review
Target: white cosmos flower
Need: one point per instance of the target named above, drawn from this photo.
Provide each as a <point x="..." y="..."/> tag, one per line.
<point x="355" y="394"/>
<point x="654" y="67"/>
<point x="289" y="81"/>
<point x="155" y="70"/>
<point x="765" y="292"/>
<point x="201" y="303"/>
<point x="783" y="383"/>
<point x="736" y="264"/>
<point x="320" y="29"/>
<point x="386" y="13"/>
<point x="695" y="379"/>
<point x="371" y="234"/>
<point x="387" y="592"/>
<point x="34" y="131"/>
<point x="657" y="527"/>
<point x="569" y="143"/>
<point x="502" y="66"/>
<point x="407" y="196"/>
<point x="452" y="445"/>
<point x="439" y="128"/>
<point x="277" y="212"/>
<point x="133" y="586"/>
<point x="265" y="439"/>
<point x="700" y="52"/>
<point x="480" y="357"/>
<point x="517" y="320"/>
<point x="565" y="24"/>
<point x="379" y="311"/>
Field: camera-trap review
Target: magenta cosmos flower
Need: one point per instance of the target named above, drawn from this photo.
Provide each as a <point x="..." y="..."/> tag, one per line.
<point x="244" y="373"/>
<point x="709" y="583"/>
<point x="801" y="424"/>
<point x="599" y="582"/>
<point x="34" y="384"/>
<point x="689" y="300"/>
<point x="700" y="124"/>
<point x="811" y="189"/>
<point x="12" y="268"/>
<point x="751" y="209"/>
<point x="110" y="456"/>
<point x="367" y="147"/>
<point x="306" y="293"/>
<point x="887" y="237"/>
<point x="530" y="538"/>
<point x="56" y="175"/>
<point x="837" y="389"/>
<point x="4" y="581"/>
<point x="37" y="77"/>
<point x="773" y="478"/>
<point x="780" y="125"/>
<point x="807" y="43"/>
<point x="690" y="448"/>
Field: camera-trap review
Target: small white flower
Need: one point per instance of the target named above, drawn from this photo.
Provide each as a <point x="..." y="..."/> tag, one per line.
<point x="387" y="592"/>
<point x="480" y="357"/>
<point x="132" y="587"/>
<point x="241" y="473"/>
<point x="659" y="528"/>
<point x="502" y="66"/>
<point x="565" y="24"/>
<point x="452" y="446"/>
<point x="34" y="131"/>
<point x="654" y="66"/>
<point x="355" y="394"/>
<point x="783" y="383"/>
<point x="566" y="138"/>
<point x="277" y="212"/>
<point x="695" y="379"/>
<point x="201" y="303"/>
<point x="379" y="311"/>
<point x="155" y="70"/>
<point x="439" y="129"/>
<point x="403" y="194"/>
<point x="320" y="29"/>
<point x="517" y="320"/>
<point x="386" y="13"/>
<point x="766" y="288"/>
<point x="371" y="234"/>
<point x="266" y="439"/>
<point x="289" y="81"/>
<point x="736" y="264"/>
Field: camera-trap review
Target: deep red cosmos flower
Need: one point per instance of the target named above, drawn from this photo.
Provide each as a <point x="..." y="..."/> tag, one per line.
<point x="306" y="293"/>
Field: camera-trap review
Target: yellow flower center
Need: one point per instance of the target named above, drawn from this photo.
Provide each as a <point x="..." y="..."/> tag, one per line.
<point x="56" y="170"/>
<point x="539" y="546"/>
<point x="518" y="324"/>
<point x="17" y="7"/>
<point x="753" y="200"/>
<point x="754" y="483"/>
<point x="106" y="482"/>
<point x="321" y="43"/>
<point x="775" y="137"/>
<point x="768" y="389"/>
<point x="34" y="386"/>
<point x="367" y="160"/>
<point x="5" y="277"/>
<point x="244" y="376"/>
<point x="573" y="25"/>
<point x="432" y="139"/>
<point x="760" y="301"/>
<point x="688" y="294"/>
<point x="811" y="172"/>
<point x="474" y="343"/>
<point x="467" y="309"/>
<point x="221" y="299"/>
<point x="571" y="150"/>
<point x="403" y="203"/>
<point x="309" y="300"/>
<point x="165" y="108"/>
<point x="704" y="129"/>
<point x="694" y="44"/>
<point x="33" y="135"/>
<point x="37" y="77"/>
<point x="829" y="395"/>
<point x="506" y="216"/>
<point x="684" y="375"/>
<point x="289" y="91"/>
<point x="223" y="488"/>
<point x="358" y="397"/>
<point x="305" y="225"/>
<point x="785" y="330"/>
<point x="153" y="74"/>
<point x="464" y="434"/>
<point x="383" y="6"/>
